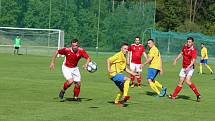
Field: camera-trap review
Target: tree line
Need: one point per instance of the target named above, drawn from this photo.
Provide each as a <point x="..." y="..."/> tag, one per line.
<point x="119" y="20"/>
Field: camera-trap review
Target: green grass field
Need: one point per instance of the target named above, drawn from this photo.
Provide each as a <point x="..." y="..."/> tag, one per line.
<point x="29" y="92"/>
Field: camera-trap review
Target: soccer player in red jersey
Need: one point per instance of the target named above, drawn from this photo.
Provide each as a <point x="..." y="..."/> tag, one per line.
<point x="69" y="67"/>
<point x="189" y="54"/>
<point x="136" y="50"/>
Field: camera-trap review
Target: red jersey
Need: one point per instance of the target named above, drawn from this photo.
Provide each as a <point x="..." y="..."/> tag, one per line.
<point x="136" y="53"/>
<point x="188" y="55"/>
<point x="72" y="58"/>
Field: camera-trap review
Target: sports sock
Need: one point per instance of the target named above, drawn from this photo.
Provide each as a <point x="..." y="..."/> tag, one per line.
<point x="66" y="85"/>
<point x="209" y="67"/>
<point x="158" y="84"/>
<point x="76" y="91"/>
<point x="154" y="88"/>
<point x="200" y="68"/>
<point x="193" y="87"/>
<point x="139" y="80"/>
<point x="118" y="97"/>
<point x="126" y="87"/>
<point x="176" y="91"/>
<point x="132" y="78"/>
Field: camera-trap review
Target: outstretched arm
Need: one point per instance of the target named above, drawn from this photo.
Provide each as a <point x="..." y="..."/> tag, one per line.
<point x="177" y="58"/>
<point x="52" y="63"/>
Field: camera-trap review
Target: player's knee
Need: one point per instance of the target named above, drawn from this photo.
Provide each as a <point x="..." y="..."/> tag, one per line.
<point x="78" y="85"/>
<point x="70" y="81"/>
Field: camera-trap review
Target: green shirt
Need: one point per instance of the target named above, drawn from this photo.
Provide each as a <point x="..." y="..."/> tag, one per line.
<point x="18" y="42"/>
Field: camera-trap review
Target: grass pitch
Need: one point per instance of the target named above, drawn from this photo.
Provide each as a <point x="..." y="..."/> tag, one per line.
<point x="29" y="92"/>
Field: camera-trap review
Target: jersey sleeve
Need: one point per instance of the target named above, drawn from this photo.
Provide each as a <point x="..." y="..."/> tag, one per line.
<point x="194" y="54"/>
<point x="114" y="58"/>
<point x="84" y="54"/>
<point x="62" y="51"/>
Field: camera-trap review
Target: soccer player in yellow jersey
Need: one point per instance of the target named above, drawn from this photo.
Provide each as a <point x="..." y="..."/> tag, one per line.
<point x="116" y="65"/>
<point x="204" y="58"/>
<point x="155" y="66"/>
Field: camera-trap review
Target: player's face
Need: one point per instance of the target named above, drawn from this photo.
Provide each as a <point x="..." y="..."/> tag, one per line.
<point x="75" y="47"/>
<point x="124" y="49"/>
<point x="189" y="43"/>
<point x="202" y="45"/>
<point x="137" y="41"/>
<point x="150" y="44"/>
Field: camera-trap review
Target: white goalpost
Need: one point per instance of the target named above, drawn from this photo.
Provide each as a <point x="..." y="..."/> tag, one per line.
<point x="35" y="41"/>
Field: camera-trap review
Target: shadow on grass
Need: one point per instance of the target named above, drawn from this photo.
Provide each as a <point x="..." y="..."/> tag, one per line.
<point x="73" y="100"/>
<point x="119" y="105"/>
<point x="151" y="93"/>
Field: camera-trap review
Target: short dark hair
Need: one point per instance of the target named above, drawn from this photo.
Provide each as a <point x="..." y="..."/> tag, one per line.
<point x="151" y="40"/>
<point x="124" y="43"/>
<point x="74" y="41"/>
<point x="137" y="37"/>
<point x="190" y="38"/>
<point x="202" y="43"/>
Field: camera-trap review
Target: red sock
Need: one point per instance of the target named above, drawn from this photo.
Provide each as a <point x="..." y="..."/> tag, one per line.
<point x="193" y="87"/>
<point x="132" y="79"/>
<point x="139" y="80"/>
<point x="176" y="91"/>
<point x="66" y="85"/>
<point x="76" y="91"/>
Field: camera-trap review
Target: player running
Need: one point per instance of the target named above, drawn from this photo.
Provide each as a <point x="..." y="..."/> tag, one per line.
<point x="204" y="59"/>
<point x="116" y="65"/>
<point x="155" y="66"/>
<point x="69" y="67"/>
<point x="136" y="50"/>
<point x="189" y="54"/>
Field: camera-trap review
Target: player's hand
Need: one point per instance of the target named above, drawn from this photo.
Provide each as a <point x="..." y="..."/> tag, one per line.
<point x="110" y="71"/>
<point x="142" y="66"/>
<point x="174" y="63"/>
<point x="161" y="72"/>
<point x="52" y="66"/>
<point x="85" y="66"/>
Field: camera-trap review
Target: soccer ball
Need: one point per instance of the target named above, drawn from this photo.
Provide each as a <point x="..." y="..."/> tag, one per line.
<point x="92" y="67"/>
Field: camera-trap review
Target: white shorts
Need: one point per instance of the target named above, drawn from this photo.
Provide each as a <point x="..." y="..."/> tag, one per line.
<point x="71" y="73"/>
<point x="136" y="67"/>
<point x="184" y="73"/>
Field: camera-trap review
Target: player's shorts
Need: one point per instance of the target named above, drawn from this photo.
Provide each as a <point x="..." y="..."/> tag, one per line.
<point x="136" y="67"/>
<point x="16" y="47"/>
<point x="152" y="73"/>
<point x="71" y="73"/>
<point x="204" y="61"/>
<point x="184" y="73"/>
<point x="119" y="80"/>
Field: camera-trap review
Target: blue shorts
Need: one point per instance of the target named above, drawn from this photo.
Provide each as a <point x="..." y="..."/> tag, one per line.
<point x="152" y="73"/>
<point x="204" y="61"/>
<point x="119" y="81"/>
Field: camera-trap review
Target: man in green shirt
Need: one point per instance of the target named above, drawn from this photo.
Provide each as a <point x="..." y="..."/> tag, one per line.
<point x="17" y="45"/>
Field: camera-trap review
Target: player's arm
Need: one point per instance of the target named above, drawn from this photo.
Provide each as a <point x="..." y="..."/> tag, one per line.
<point x="109" y="62"/>
<point x="131" y="72"/>
<point x="177" y="58"/>
<point x="161" y="66"/>
<point x="191" y="64"/>
<point x="145" y="55"/>
<point x="52" y="63"/>
<point x="87" y="62"/>
<point x="128" y="57"/>
<point x="148" y="60"/>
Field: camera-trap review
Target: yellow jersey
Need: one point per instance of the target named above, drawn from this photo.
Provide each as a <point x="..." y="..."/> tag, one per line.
<point x="204" y="53"/>
<point x="156" y="58"/>
<point x="118" y="63"/>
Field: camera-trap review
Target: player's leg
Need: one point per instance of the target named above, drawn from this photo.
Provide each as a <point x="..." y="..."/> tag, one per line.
<point x="139" y="78"/>
<point x="150" y="78"/>
<point x="14" y="51"/>
<point x="178" y="88"/>
<point x="163" y="89"/>
<point x="17" y="51"/>
<point x="200" y="66"/>
<point x="206" y="64"/>
<point x="76" y="90"/>
<point x="132" y="77"/>
<point x="77" y="79"/>
<point x="191" y="84"/>
<point x="67" y="75"/>
<point x="118" y="79"/>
